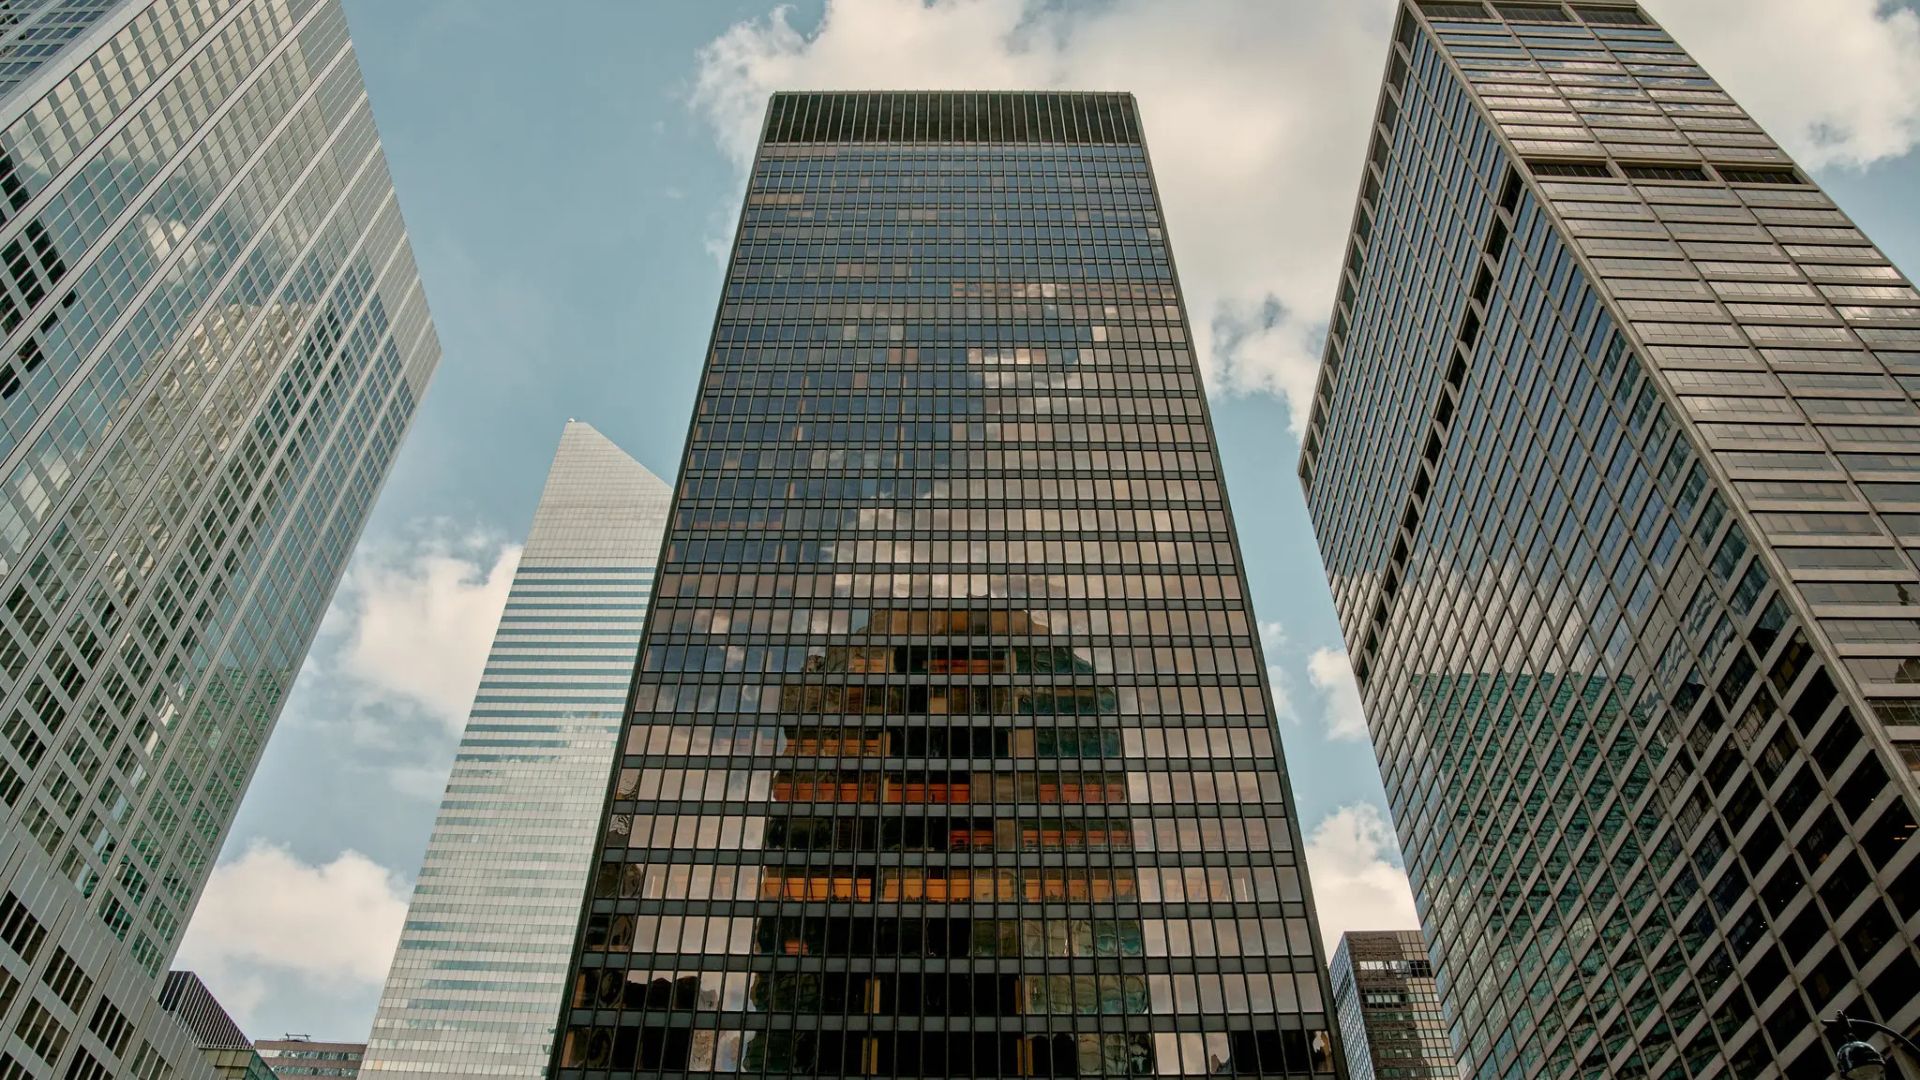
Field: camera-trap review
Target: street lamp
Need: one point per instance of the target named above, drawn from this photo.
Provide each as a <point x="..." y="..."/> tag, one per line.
<point x="1859" y="1060"/>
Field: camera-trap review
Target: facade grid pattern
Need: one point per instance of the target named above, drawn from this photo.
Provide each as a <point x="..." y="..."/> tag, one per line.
<point x="1622" y="561"/>
<point x="1384" y="995"/>
<point x="950" y="751"/>
<point x="212" y="339"/>
<point x="482" y="962"/>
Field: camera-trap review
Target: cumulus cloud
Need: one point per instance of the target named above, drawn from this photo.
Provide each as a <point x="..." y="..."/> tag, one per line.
<point x="1358" y="879"/>
<point x="267" y="917"/>
<point x="1257" y="115"/>
<point x="416" y="616"/>
<point x="1256" y="112"/>
<point x="1273" y="642"/>
<point x="1837" y="82"/>
<point x="1332" y="675"/>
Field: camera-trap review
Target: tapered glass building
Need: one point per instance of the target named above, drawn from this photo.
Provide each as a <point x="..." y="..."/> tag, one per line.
<point x="477" y="979"/>
<point x="214" y="340"/>
<point x="950" y="752"/>
<point x="1614" y="462"/>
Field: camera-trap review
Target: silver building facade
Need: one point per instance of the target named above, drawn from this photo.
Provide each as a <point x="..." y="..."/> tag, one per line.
<point x="214" y="339"/>
<point x="482" y="961"/>
<point x="1614" y="463"/>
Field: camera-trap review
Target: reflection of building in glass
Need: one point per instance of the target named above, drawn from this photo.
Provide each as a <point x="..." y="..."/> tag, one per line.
<point x="950" y="752"/>
<point x="482" y="962"/>
<point x="1615" y="466"/>
<point x="1389" y="1010"/>
<point x="211" y="341"/>
<point x="33" y="32"/>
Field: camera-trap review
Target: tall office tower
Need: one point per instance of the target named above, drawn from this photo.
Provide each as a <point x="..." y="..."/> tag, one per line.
<point x="1388" y="1007"/>
<point x="213" y="341"/>
<point x="482" y="962"/>
<point x="218" y="1038"/>
<point x="950" y="752"/>
<point x="1613" y="462"/>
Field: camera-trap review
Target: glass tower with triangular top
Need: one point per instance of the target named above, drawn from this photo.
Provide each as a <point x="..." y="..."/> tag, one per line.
<point x="478" y="975"/>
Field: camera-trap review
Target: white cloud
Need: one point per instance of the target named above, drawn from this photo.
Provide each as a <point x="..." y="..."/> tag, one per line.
<point x="1256" y="112"/>
<point x="268" y="917"/>
<point x="1273" y="641"/>
<point x="416" y="618"/>
<point x="1838" y="81"/>
<point x="1257" y="115"/>
<point x="1332" y="675"/>
<point x="1358" y="882"/>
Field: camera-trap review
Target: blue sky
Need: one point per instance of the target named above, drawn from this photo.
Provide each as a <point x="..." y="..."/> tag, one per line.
<point x="568" y="183"/>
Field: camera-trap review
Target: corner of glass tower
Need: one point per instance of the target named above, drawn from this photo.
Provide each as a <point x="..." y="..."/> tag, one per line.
<point x="1614" y="464"/>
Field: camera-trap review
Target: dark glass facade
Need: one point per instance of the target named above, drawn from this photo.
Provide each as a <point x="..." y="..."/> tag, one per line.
<point x="1389" y="1008"/>
<point x="950" y="751"/>
<point x="1606" y="463"/>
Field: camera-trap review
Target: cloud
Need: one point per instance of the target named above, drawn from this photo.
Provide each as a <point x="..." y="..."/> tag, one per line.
<point x="1837" y="82"/>
<point x="268" y="917"/>
<point x="1332" y="675"/>
<point x="418" y="616"/>
<point x="1257" y="115"/>
<point x="1273" y="641"/>
<point x="1358" y="879"/>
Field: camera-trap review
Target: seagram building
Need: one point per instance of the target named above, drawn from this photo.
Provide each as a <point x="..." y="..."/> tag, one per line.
<point x="1614" y="462"/>
<point x="950" y="752"/>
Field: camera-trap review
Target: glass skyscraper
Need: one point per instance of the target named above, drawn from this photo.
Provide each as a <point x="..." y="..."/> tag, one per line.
<point x="1389" y="1009"/>
<point x="214" y="341"/>
<point x="950" y="751"/>
<point x="1615" y="466"/>
<point x="478" y="977"/>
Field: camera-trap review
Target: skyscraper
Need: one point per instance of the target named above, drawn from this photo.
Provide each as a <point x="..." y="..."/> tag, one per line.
<point x="1613" y="462"/>
<point x="214" y="340"/>
<point x="950" y="751"/>
<point x="1388" y="1008"/>
<point x="482" y="961"/>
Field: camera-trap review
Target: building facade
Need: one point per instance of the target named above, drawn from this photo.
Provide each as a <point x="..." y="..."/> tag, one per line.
<point x="218" y="1038"/>
<point x="479" y="974"/>
<point x="299" y="1056"/>
<point x="214" y="339"/>
<point x="950" y="751"/>
<point x="1614" y="462"/>
<point x="1388" y="1007"/>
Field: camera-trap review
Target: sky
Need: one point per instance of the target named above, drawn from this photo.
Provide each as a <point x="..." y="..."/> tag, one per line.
<point x="571" y="186"/>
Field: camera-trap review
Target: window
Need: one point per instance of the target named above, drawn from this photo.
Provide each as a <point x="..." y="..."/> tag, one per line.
<point x="1689" y="173"/>
<point x="1435" y="9"/>
<point x="1539" y="13"/>
<point x="1613" y="16"/>
<point x="1749" y="175"/>
<point x="1591" y="170"/>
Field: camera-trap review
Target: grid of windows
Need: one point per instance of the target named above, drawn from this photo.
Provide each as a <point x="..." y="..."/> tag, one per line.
<point x="950" y="751"/>
<point x="482" y="962"/>
<point x="214" y="339"/>
<point x="1389" y="1008"/>
<point x="1616" y="564"/>
<point x="32" y="32"/>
